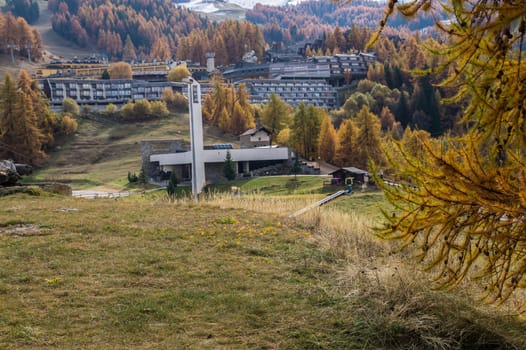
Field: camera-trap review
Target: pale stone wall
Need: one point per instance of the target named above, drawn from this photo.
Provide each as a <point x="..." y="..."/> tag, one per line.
<point x="150" y="147"/>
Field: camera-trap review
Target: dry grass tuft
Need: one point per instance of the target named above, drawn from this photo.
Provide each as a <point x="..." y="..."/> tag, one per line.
<point x="278" y="205"/>
<point x="391" y="299"/>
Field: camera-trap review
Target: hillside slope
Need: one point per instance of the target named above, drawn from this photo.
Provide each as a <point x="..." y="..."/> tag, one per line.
<point x="102" y="151"/>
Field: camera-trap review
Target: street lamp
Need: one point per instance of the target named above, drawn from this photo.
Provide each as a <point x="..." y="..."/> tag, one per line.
<point x="196" y="136"/>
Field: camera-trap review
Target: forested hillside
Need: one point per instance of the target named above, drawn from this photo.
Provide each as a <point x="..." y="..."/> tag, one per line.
<point x="229" y="40"/>
<point x="310" y="19"/>
<point x="19" y="38"/>
<point x="153" y="27"/>
<point x="27" y="9"/>
<point x="147" y="29"/>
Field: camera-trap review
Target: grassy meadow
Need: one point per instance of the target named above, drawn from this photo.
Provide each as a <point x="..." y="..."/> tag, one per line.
<point x="140" y="274"/>
<point x="232" y="272"/>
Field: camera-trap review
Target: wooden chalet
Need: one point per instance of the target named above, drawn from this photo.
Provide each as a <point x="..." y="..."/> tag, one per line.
<point x="342" y="175"/>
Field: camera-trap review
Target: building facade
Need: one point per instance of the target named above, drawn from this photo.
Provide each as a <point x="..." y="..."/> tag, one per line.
<point x="256" y="137"/>
<point x="163" y="157"/>
<point x="315" y="92"/>
<point x="313" y="80"/>
<point x="100" y="91"/>
<point x="339" y="65"/>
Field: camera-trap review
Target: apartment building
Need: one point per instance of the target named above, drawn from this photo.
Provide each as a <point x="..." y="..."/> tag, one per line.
<point x="101" y="92"/>
<point x="315" y="92"/>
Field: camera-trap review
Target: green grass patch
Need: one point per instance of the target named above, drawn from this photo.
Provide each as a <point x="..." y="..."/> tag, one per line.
<point x="133" y="274"/>
<point x="366" y="204"/>
<point x="277" y="185"/>
<point x="139" y="273"/>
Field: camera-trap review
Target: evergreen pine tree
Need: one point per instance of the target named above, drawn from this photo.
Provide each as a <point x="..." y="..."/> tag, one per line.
<point x="296" y="166"/>
<point x="388" y="75"/>
<point x="402" y="112"/>
<point x="424" y="99"/>
<point x="172" y="184"/>
<point x="228" y="168"/>
<point x="397" y="77"/>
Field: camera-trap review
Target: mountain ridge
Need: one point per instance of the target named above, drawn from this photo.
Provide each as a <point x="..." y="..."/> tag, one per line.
<point x="230" y="9"/>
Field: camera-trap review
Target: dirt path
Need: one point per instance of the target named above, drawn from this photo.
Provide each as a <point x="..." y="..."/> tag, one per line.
<point x="100" y="194"/>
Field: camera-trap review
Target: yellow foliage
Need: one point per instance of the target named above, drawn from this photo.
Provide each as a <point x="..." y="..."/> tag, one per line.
<point x="283" y="137"/>
<point x="178" y="73"/>
<point x="68" y="125"/>
<point x="120" y="70"/>
<point x="464" y="203"/>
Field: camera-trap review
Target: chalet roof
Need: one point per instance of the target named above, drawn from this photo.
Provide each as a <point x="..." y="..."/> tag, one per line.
<point x="255" y="130"/>
<point x="326" y="168"/>
<point x="352" y="170"/>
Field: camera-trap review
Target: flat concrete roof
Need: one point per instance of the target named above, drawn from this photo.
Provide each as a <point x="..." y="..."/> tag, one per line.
<point x="219" y="155"/>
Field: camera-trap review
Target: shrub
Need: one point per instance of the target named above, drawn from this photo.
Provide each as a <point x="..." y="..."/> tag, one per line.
<point x="132" y="177"/>
<point x="168" y="96"/>
<point x="178" y="73"/>
<point x="111" y="109"/>
<point x="120" y="70"/>
<point x="127" y="111"/>
<point x="86" y="109"/>
<point x="174" y="100"/>
<point x="68" y="125"/>
<point x="159" y="109"/>
<point x="70" y="106"/>
<point x="139" y="110"/>
<point x="142" y="108"/>
<point x="180" y="101"/>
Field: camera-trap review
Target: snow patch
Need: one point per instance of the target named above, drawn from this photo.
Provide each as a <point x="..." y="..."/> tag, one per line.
<point x="209" y="6"/>
<point x="249" y="4"/>
<point x="200" y="6"/>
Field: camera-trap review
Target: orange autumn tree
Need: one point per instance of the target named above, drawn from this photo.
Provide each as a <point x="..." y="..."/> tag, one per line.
<point x="229" y="108"/>
<point x="327" y="140"/>
<point x="20" y="137"/>
<point x="120" y="70"/>
<point x="464" y="206"/>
